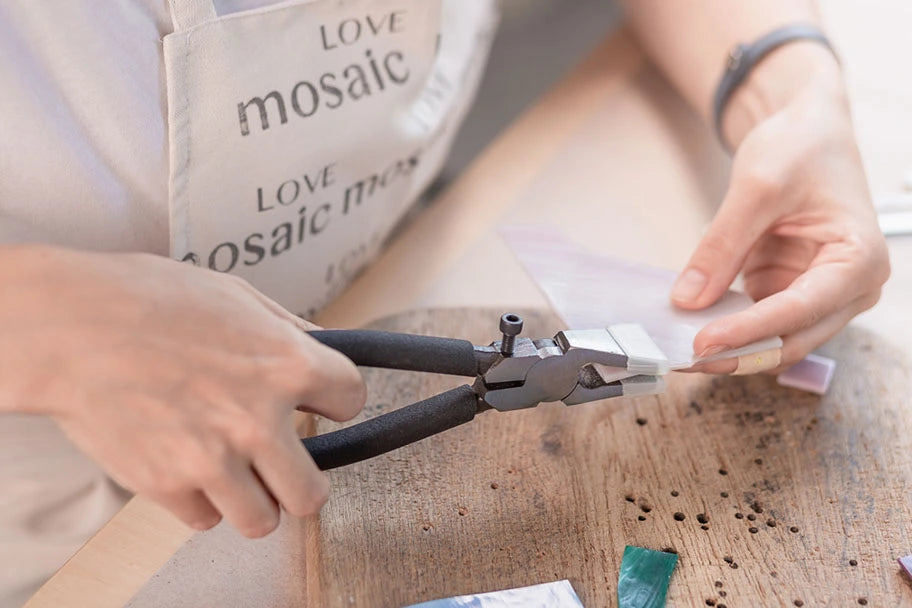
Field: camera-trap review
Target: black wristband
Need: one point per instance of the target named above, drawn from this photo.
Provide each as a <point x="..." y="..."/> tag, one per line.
<point x="743" y="58"/>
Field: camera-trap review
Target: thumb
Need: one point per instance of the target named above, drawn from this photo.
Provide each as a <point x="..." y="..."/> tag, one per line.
<point x="721" y="252"/>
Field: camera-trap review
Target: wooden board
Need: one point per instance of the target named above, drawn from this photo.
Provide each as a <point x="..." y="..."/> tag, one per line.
<point x="557" y="492"/>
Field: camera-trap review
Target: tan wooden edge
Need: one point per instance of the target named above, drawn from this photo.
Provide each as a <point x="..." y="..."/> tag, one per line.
<point x="118" y="560"/>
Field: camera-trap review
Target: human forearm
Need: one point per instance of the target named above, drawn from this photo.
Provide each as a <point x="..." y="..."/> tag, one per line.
<point x="690" y="42"/>
<point x="18" y="286"/>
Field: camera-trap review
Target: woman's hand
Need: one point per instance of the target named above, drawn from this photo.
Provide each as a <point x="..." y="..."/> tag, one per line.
<point x="180" y="382"/>
<point x="797" y="220"/>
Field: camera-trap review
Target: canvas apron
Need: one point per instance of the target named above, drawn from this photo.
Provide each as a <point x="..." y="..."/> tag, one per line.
<point x="301" y="132"/>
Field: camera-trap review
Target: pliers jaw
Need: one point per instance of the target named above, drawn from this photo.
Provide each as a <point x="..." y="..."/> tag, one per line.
<point x="576" y="366"/>
<point x="631" y="386"/>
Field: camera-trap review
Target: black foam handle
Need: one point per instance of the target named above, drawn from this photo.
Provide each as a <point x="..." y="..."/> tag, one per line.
<point x="393" y="430"/>
<point x="402" y="351"/>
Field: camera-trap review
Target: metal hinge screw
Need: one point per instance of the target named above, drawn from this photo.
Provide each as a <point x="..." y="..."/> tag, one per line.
<point x="510" y="325"/>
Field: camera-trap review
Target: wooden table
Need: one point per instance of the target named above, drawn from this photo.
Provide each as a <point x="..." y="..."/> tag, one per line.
<point x="787" y="486"/>
<point x="590" y="159"/>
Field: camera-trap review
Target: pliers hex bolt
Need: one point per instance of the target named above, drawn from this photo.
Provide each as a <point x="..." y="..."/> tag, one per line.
<point x="575" y="366"/>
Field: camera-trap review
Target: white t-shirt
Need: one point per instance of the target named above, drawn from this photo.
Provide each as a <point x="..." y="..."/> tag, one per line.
<point x="83" y="132"/>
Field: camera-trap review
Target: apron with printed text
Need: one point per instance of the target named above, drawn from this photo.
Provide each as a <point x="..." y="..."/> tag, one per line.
<point x="301" y="132"/>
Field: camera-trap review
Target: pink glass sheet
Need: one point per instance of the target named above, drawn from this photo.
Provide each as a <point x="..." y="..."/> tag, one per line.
<point x="589" y="290"/>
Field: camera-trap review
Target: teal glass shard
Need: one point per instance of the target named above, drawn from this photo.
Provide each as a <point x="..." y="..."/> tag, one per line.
<point x="644" y="577"/>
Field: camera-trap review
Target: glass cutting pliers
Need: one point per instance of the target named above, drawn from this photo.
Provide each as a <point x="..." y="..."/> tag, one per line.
<point x="575" y="366"/>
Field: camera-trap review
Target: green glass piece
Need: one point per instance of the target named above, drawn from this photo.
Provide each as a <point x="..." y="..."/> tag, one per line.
<point x="644" y="577"/>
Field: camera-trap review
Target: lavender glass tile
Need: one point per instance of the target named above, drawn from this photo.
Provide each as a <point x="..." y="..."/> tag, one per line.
<point x="813" y="373"/>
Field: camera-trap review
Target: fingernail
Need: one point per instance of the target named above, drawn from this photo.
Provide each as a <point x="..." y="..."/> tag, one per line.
<point x="712" y="350"/>
<point x="205" y="524"/>
<point x="689" y="285"/>
<point x="320" y="490"/>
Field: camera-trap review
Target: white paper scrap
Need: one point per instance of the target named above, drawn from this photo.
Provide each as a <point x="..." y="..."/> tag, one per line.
<point x="558" y="594"/>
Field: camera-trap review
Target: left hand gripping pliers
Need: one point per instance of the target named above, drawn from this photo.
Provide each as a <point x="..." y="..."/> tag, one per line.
<point x="575" y="366"/>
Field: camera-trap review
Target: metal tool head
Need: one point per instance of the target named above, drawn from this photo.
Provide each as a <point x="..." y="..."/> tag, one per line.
<point x="575" y="366"/>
